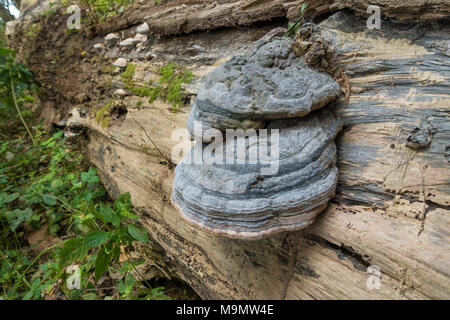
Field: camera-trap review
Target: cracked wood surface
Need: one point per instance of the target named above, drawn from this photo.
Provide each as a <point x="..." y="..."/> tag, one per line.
<point x="185" y="16"/>
<point x="392" y="205"/>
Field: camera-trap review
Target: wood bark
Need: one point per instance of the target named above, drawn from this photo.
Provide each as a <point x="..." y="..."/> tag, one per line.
<point x="177" y="17"/>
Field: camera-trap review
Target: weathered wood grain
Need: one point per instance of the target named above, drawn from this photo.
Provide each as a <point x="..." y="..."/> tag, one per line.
<point x="185" y="16"/>
<point x="392" y="206"/>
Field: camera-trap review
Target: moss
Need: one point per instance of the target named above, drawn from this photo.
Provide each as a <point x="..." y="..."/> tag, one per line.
<point x="141" y="91"/>
<point x="127" y="75"/>
<point x="107" y="69"/>
<point x="170" y="85"/>
<point x="102" y="115"/>
<point x="156" y="92"/>
<point x="34" y="30"/>
<point x="105" y="122"/>
<point x="169" y="88"/>
<point x="109" y="83"/>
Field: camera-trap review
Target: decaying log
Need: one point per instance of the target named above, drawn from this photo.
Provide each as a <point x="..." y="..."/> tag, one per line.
<point x="391" y="210"/>
<point x="401" y="10"/>
<point x="185" y="16"/>
<point x="392" y="207"/>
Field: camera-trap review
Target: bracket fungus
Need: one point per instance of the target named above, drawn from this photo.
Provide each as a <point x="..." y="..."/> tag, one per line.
<point x="268" y="83"/>
<point x="237" y="189"/>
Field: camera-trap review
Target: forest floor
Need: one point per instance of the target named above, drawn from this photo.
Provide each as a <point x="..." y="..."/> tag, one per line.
<point x="62" y="237"/>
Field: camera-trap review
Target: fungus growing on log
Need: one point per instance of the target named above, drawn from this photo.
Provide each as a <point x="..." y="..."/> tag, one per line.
<point x="237" y="190"/>
<point x="269" y="83"/>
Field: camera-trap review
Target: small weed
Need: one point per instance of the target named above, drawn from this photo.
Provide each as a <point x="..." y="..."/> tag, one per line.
<point x="293" y="28"/>
<point x="100" y="10"/>
<point x="46" y="184"/>
<point x="102" y="116"/>
<point x="33" y="31"/>
<point x="169" y="87"/>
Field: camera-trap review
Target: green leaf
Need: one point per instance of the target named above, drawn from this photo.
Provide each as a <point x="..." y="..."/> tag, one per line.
<point x="73" y="250"/>
<point x="17" y="216"/>
<point x="78" y="248"/>
<point x="107" y="215"/>
<point x="96" y="238"/>
<point x="304" y="6"/>
<point x="124" y="198"/>
<point x="101" y="263"/>
<point x="116" y="252"/>
<point x="90" y="176"/>
<point x="122" y="288"/>
<point x="57" y="183"/>
<point x="10" y="197"/>
<point x="49" y="200"/>
<point x="89" y="296"/>
<point x="138" y="234"/>
<point x="5" y="51"/>
<point x="58" y="134"/>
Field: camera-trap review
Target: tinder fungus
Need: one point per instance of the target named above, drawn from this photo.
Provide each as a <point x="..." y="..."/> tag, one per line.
<point x="269" y="83"/>
<point x="282" y="171"/>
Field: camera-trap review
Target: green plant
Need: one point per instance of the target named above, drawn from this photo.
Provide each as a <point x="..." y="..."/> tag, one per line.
<point x="2" y="34"/>
<point x="16" y="85"/>
<point x="46" y="185"/>
<point x="293" y="28"/>
<point x="171" y="80"/>
<point x="169" y="87"/>
<point x="127" y="75"/>
<point x="100" y="10"/>
<point x="34" y="30"/>
<point x="102" y="116"/>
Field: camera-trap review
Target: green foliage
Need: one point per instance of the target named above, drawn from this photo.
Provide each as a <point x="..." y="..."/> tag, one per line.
<point x="100" y="10"/>
<point x="39" y="183"/>
<point x="169" y="88"/>
<point x="102" y="115"/>
<point x="22" y="78"/>
<point x="293" y="28"/>
<point x="16" y="87"/>
<point x="33" y="31"/>
<point x="49" y="12"/>
<point x="127" y="75"/>
<point x="2" y="34"/>
<point x="46" y="184"/>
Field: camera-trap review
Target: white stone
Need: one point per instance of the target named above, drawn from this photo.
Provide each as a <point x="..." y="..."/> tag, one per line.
<point x="99" y="46"/>
<point x="143" y="28"/>
<point x="141" y="37"/>
<point x="112" y="38"/>
<point x="121" y="92"/>
<point x="129" y="43"/>
<point x="121" y="63"/>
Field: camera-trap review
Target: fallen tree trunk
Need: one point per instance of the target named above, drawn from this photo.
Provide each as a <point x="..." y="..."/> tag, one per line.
<point x="177" y="17"/>
<point x="392" y="207"/>
<point x="391" y="211"/>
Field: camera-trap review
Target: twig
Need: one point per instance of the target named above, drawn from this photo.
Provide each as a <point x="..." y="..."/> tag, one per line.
<point x="18" y="111"/>
<point x="171" y="164"/>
